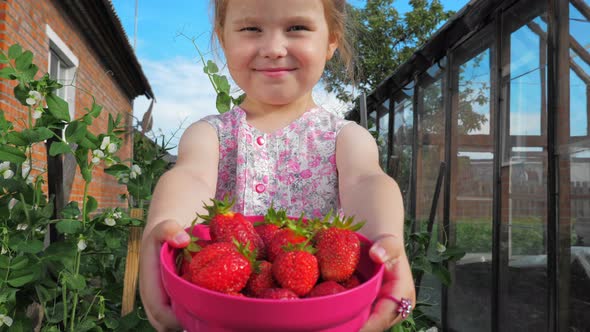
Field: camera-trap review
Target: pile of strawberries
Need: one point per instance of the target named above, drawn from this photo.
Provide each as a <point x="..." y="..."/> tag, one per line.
<point x="278" y="258"/>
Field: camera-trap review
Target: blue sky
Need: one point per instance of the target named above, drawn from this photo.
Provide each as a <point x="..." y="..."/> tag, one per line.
<point x="170" y="61"/>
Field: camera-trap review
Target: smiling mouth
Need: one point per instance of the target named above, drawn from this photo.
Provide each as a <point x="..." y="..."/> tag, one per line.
<point x="275" y="72"/>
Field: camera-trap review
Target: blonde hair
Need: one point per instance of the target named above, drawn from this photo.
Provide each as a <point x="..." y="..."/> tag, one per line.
<point x="335" y="12"/>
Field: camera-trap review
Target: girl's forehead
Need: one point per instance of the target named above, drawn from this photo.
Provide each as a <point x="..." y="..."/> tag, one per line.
<point x="269" y="9"/>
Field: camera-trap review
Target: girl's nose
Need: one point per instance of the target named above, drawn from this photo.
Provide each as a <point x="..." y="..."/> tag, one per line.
<point x="273" y="46"/>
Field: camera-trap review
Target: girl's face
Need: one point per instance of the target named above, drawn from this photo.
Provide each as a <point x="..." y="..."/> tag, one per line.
<point x="276" y="50"/>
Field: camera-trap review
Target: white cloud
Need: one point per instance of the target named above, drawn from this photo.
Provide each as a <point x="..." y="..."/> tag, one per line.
<point x="184" y="95"/>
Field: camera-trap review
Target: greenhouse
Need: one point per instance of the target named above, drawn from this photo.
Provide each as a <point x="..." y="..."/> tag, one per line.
<point x="486" y="131"/>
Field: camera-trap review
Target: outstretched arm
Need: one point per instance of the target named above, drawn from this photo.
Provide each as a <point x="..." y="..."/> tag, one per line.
<point x="178" y="196"/>
<point x="369" y="194"/>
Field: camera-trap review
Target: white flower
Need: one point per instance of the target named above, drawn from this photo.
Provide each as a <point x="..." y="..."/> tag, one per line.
<point x="41" y="230"/>
<point x="5" y="320"/>
<point x="82" y="244"/>
<point x="12" y="203"/>
<point x="105" y="142"/>
<point x="3" y="250"/>
<point x="112" y="148"/>
<point x="7" y="174"/>
<point x="117" y="215"/>
<point x="109" y="221"/>
<point x="97" y="155"/>
<point x="136" y="169"/>
<point x="35" y="94"/>
<point x="100" y="315"/>
<point x="22" y="227"/>
<point x="37" y="114"/>
<point x="5" y="170"/>
<point x="440" y="248"/>
<point x="34" y="97"/>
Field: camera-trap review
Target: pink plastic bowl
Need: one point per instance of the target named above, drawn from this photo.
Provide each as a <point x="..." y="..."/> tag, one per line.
<point x="201" y="310"/>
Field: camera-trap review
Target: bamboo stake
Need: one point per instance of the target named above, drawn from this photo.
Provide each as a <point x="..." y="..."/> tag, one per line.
<point x="132" y="264"/>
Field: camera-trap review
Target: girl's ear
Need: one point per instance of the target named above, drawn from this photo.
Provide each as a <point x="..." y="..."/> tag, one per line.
<point x="332" y="46"/>
<point x="219" y="34"/>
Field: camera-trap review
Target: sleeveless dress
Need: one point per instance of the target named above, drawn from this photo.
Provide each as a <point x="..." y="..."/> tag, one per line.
<point x="293" y="168"/>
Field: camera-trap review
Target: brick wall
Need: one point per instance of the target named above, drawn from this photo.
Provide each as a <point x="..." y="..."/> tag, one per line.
<point x="24" y="22"/>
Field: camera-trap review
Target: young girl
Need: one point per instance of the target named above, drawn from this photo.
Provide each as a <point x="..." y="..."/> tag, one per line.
<point x="279" y="147"/>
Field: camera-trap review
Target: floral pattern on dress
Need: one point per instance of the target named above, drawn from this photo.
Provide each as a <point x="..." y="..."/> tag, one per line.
<point x="293" y="168"/>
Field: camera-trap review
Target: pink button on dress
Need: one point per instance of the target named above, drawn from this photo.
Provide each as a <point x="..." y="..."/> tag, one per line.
<point x="293" y="168"/>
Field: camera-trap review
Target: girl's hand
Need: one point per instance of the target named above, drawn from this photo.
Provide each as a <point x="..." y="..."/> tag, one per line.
<point x="397" y="283"/>
<point x="155" y="300"/>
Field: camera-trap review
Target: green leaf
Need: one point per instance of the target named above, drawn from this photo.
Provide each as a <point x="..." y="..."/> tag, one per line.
<point x="4" y="262"/>
<point x="30" y="247"/>
<point x="29" y="74"/>
<point x="69" y="226"/>
<point x="37" y="134"/>
<point x="116" y="169"/>
<point x="85" y="325"/>
<point x="75" y="281"/>
<point x="12" y="154"/>
<point x="71" y="211"/>
<point x="15" y="51"/>
<point x="91" y="204"/>
<point x="19" y="262"/>
<point x="112" y="240"/>
<point x="75" y="131"/>
<point x="442" y="274"/>
<point x="86" y="173"/>
<point x="8" y="294"/>
<point x="211" y="67"/>
<point x="21" y="93"/>
<point x="3" y="57"/>
<point x="221" y="83"/>
<point x="7" y="73"/>
<point x="16" y="138"/>
<point x="223" y="102"/>
<point x="61" y="251"/>
<point x="29" y="276"/>
<point x="59" y="147"/>
<point x="95" y="110"/>
<point x="24" y="61"/>
<point x="58" y="107"/>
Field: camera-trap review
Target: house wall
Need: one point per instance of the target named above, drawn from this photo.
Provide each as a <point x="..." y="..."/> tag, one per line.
<point x="24" y="22"/>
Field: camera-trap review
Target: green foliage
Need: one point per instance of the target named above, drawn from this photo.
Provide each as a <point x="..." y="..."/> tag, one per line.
<point x="148" y="164"/>
<point x="427" y="256"/>
<point x="384" y="40"/>
<point x="73" y="284"/>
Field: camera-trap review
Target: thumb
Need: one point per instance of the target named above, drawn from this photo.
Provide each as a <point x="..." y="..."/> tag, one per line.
<point x="171" y="232"/>
<point x="387" y="249"/>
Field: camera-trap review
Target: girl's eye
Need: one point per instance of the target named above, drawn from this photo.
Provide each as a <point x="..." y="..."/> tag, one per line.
<point x="298" y="28"/>
<point x="251" y="29"/>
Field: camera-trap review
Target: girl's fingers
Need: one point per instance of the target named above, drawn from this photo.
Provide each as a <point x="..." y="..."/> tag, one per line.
<point x="397" y="283"/>
<point x="153" y="294"/>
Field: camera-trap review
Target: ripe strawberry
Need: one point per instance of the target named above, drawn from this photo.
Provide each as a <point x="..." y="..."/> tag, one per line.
<point x="296" y="269"/>
<point x="351" y="282"/>
<point x="224" y="267"/>
<point x="326" y="288"/>
<point x="260" y="279"/>
<point x="225" y="225"/>
<point x="338" y="249"/>
<point x="278" y="294"/>
<point x="273" y="221"/>
<point x="292" y="234"/>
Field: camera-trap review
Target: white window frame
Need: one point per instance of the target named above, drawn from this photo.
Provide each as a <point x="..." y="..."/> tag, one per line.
<point x="68" y="63"/>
